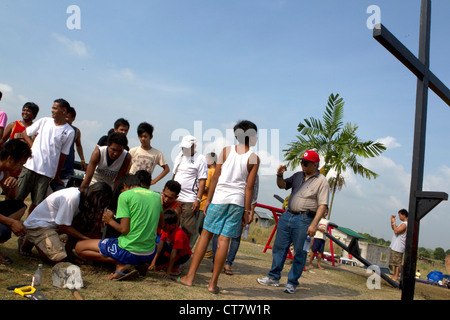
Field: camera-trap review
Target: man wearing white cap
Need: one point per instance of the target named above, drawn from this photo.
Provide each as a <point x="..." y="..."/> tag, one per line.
<point x="191" y="171"/>
<point x="307" y="204"/>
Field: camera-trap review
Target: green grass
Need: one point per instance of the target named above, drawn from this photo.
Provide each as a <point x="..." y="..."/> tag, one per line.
<point x="250" y="263"/>
<point x="260" y="235"/>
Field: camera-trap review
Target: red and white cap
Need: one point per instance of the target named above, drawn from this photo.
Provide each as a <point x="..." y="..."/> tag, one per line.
<point x="311" y="155"/>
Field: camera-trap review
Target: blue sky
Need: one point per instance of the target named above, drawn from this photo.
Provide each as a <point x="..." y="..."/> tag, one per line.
<point x="198" y="66"/>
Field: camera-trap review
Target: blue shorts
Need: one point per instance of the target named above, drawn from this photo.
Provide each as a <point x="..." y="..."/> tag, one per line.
<point x="7" y="208"/>
<point x="223" y="219"/>
<point x="109" y="247"/>
<point x="318" y="245"/>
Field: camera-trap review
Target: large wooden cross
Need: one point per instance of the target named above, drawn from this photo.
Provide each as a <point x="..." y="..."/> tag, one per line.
<point x="420" y="202"/>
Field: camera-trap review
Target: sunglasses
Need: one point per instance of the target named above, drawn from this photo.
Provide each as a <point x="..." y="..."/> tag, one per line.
<point x="305" y="163"/>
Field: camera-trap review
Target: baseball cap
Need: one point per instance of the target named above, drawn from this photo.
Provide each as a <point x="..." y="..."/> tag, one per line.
<point x="311" y="155"/>
<point x="188" y="141"/>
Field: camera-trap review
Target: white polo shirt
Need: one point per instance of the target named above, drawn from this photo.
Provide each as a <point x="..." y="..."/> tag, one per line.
<point x="188" y="171"/>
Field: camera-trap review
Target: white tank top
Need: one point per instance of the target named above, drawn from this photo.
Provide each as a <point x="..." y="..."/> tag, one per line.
<point x="230" y="188"/>
<point x="399" y="240"/>
<point x="105" y="173"/>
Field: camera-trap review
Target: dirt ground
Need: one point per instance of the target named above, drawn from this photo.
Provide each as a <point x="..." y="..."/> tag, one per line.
<point x="341" y="283"/>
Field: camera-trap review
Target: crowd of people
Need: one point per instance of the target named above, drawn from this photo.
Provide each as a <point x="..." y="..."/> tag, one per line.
<point x="113" y="216"/>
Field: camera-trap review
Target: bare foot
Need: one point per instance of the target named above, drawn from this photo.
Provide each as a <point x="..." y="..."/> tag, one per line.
<point x="24" y="247"/>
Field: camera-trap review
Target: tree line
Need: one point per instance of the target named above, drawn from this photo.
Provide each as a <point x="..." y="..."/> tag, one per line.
<point x="437" y="253"/>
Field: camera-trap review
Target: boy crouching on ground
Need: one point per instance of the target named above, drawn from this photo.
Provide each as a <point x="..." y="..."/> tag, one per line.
<point x="173" y="248"/>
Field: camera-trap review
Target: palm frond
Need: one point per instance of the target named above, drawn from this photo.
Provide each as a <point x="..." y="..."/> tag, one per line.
<point x="334" y="113"/>
<point x="338" y="144"/>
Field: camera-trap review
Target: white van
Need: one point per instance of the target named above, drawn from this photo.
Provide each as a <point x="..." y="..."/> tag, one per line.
<point x="348" y="262"/>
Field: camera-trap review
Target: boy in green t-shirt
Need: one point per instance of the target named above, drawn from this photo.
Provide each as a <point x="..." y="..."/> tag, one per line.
<point x="140" y="214"/>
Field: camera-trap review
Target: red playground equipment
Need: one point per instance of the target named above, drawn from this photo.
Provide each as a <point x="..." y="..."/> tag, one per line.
<point x="276" y="212"/>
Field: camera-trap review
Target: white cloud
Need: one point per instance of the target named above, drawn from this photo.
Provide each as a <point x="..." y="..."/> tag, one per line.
<point x="366" y="205"/>
<point x="438" y="181"/>
<point x="269" y="163"/>
<point x="5" y="88"/>
<point x="395" y="204"/>
<point x="129" y="76"/>
<point x="445" y="170"/>
<point x="167" y="88"/>
<point x="124" y="74"/>
<point x="11" y="102"/>
<point x="389" y="142"/>
<point x="75" y="47"/>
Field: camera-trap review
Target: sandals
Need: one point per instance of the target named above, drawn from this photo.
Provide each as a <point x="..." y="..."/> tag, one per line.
<point x="215" y="291"/>
<point x="178" y="280"/>
<point x="123" y="275"/>
<point x="228" y="271"/>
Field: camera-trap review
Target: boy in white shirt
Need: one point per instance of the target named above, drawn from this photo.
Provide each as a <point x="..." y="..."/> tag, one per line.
<point x="50" y="148"/>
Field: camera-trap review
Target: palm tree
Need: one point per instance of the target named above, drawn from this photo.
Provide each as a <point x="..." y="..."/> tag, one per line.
<point x="337" y="143"/>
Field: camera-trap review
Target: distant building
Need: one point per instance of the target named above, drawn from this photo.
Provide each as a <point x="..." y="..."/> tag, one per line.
<point x="373" y="253"/>
<point x="264" y="219"/>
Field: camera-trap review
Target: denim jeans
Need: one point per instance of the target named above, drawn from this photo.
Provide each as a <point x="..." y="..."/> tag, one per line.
<point x="234" y="246"/>
<point x="291" y="228"/>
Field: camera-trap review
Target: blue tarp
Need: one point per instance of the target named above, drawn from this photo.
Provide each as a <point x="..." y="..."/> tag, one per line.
<point x="435" y="276"/>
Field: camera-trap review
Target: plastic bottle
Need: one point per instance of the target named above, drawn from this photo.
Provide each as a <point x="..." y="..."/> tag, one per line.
<point x="38" y="276"/>
<point x="246" y="229"/>
<point x="307" y="243"/>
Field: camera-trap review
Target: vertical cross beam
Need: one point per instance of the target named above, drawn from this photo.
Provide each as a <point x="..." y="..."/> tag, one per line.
<point x="420" y="202"/>
<point x="412" y="240"/>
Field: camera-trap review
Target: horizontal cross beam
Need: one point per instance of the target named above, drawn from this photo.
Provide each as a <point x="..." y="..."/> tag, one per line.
<point x="427" y="200"/>
<point x="394" y="46"/>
